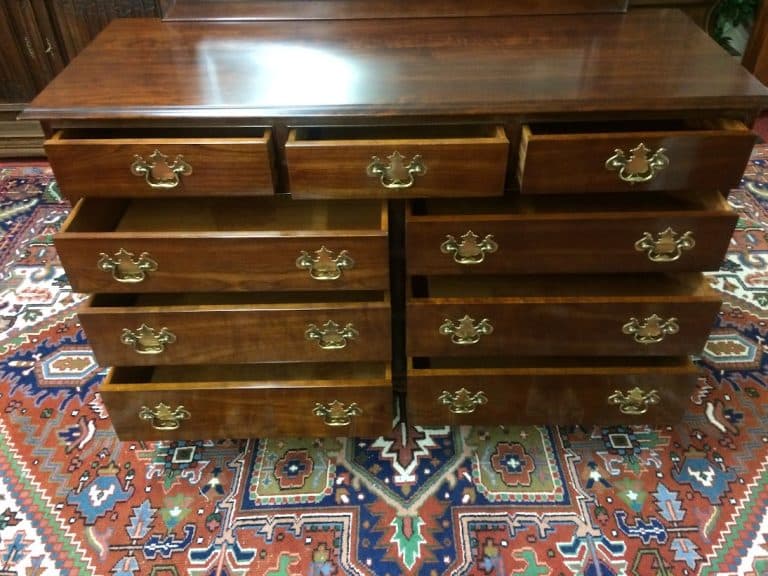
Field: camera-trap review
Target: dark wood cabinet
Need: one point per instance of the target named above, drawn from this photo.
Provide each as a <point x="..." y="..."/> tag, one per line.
<point x="37" y="39"/>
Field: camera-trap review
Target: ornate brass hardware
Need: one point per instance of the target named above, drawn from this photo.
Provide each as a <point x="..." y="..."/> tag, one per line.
<point x="465" y="331"/>
<point x="146" y="340"/>
<point x="125" y="268"/>
<point x="651" y="330"/>
<point x="396" y="174"/>
<point x="634" y="402"/>
<point x="462" y="401"/>
<point x="336" y="413"/>
<point x="470" y="249"/>
<point x="331" y="336"/>
<point x="323" y="266"/>
<point x="163" y="418"/>
<point x="158" y="172"/>
<point x="667" y="247"/>
<point x="640" y="166"/>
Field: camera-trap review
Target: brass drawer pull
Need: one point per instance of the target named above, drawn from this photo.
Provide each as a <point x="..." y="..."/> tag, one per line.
<point x="125" y="268"/>
<point x="396" y="174"/>
<point x="470" y="249"/>
<point x="161" y="417"/>
<point x="634" y="402"/>
<point x="158" y="172"/>
<point x="146" y="340"/>
<point x="323" y="266"/>
<point x="462" y="401"/>
<point x="336" y="413"/>
<point x="331" y="336"/>
<point x="651" y="330"/>
<point x="668" y="247"/>
<point x="641" y="165"/>
<point x="465" y="331"/>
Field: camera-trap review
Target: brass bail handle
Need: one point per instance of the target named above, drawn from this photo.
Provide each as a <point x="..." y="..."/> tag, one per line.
<point x="396" y="174"/>
<point x="324" y="265"/>
<point x="147" y="340"/>
<point x="469" y="249"/>
<point x="634" y="402"/>
<point x="640" y="165"/>
<point x="465" y="331"/>
<point x="668" y="245"/>
<point x="162" y="417"/>
<point x="125" y="267"/>
<point x="158" y="172"/>
<point x="336" y="413"/>
<point x="651" y="330"/>
<point x="462" y="401"/>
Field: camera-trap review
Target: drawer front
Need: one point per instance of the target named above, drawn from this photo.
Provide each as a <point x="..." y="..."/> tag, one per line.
<point x="214" y="260"/>
<point x="403" y="168"/>
<point x="238" y="334"/>
<point x="569" y="243"/>
<point x="712" y="159"/>
<point x="628" y="395"/>
<point x="225" y="409"/>
<point x="567" y="327"/>
<point x="161" y="167"/>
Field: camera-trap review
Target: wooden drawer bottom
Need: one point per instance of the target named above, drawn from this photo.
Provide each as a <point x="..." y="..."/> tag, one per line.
<point x="565" y="391"/>
<point x="248" y="401"/>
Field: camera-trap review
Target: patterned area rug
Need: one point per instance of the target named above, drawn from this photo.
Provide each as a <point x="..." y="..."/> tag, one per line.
<point x="534" y="501"/>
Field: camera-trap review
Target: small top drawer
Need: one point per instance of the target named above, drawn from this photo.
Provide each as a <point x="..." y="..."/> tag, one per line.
<point x="179" y="162"/>
<point x="396" y="162"/>
<point x="634" y="156"/>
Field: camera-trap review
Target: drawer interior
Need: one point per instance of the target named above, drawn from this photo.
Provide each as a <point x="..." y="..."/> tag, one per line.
<point x="692" y="285"/>
<point x="361" y="133"/>
<point x="632" y="126"/>
<point x="253" y="375"/>
<point x="163" y="133"/>
<point x="570" y="205"/>
<point x="225" y="299"/>
<point x="547" y="366"/>
<point x="275" y="214"/>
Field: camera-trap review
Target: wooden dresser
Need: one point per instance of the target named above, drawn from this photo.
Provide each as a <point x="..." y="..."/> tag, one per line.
<point x="314" y="227"/>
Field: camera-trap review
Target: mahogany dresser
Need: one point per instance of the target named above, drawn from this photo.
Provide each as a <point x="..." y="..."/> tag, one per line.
<point x="316" y="227"/>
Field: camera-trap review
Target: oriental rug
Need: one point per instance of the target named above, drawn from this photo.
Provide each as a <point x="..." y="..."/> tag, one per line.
<point x="691" y="499"/>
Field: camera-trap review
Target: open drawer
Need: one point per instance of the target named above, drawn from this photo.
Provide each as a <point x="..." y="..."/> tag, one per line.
<point x="654" y="232"/>
<point x="646" y="315"/>
<point x="396" y="162"/>
<point x="225" y="244"/>
<point x="493" y="391"/>
<point x="249" y="401"/>
<point x="162" y="162"/>
<point x="235" y="328"/>
<point x="633" y="156"/>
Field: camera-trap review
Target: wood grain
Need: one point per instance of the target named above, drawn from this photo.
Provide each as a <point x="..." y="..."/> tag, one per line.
<point x="524" y="395"/>
<point x="573" y="162"/>
<point x="225" y="245"/>
<point x="248" y="401"/>
<point x="235" y="333"/>
<point x="458" y="166"/>
<point x="562" y="316"/>
<point x="220" y="166"/>
<point x="551" y="236"/>
<point x="649" y="60"/>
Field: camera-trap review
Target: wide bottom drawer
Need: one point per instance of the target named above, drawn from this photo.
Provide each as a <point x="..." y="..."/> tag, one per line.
<point x="555" y="391"/>
<point x="248" y="401"/>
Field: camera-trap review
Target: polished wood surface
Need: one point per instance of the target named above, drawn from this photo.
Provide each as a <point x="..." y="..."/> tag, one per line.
<point x="549" y="392"/>
<point x="711" y="158"/>
<point x="463" y="162"/>
<point x="223" y="10"/>
<point x="86" y="164"/>
<point x="561" y="316"/>
<point x="569" y="235"/>
<point x="219" y="244"/>
<point x="648" y="60"/>
<point x="236" y="329"/>
<point x="249" y="401"/>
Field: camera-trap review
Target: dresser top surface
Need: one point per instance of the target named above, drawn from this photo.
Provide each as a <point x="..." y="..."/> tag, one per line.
<point x="644" y="60"/>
